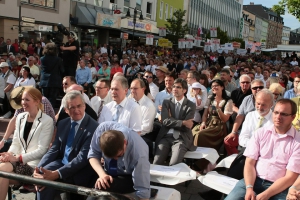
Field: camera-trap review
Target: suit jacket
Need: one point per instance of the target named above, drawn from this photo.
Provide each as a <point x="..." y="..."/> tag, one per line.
<point x="38" y="140"/>
<point x="111" y="54"/>
<point x="187" y="111"/>
<point x="79" y="150"/>
<point x="11" y="49"/>
<point x="40" y="53"/>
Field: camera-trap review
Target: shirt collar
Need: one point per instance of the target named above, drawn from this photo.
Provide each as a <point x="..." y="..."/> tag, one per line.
<point x="79" y="121"/>
<point x="268" y="116"/>
<point x="122" y="104"/>
<point x="291" y="132"/>
<point x="141" y="99"/>
<point x="181" y="101"/>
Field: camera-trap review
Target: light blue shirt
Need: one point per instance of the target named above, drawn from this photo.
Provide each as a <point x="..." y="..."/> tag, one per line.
<point x="134" y="161"/>
<point x="83" y="75"/>
<point x="160" y="98"/>
<point x="289" y="94"/>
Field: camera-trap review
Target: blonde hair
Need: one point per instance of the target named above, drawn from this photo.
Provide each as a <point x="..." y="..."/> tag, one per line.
<point x="192" y="94"/>
<point x="35" y="95"/>
<point x="276" y="87"/>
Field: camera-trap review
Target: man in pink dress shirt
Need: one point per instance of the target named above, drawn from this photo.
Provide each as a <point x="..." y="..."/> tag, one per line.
<point x="273" y="158"/>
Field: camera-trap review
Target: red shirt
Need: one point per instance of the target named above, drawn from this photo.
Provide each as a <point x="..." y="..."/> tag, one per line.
<point x="16" y="46"/>
<point x="30" y="50"/>
<point x="115" y="70"/>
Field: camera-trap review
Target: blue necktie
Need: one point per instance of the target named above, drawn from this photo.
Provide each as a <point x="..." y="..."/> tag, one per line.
<point x="117" y="114"/>
<point x="113" y="167"/>
<point x="70" y="140"/>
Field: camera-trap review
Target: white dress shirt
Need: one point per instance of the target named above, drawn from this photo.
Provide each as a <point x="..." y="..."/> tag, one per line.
<point x="148" y="114"/>
<point x="151" y="68"/>
<point x="154" y="90"/>
<point x="130" y="114"/>
<point x="250" y="125"/>
<point x="96" y="101"/>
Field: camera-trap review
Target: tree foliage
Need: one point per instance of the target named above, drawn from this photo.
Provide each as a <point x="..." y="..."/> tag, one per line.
<point x="292" y="7"/>
<point x="222" y="35"/>
<point x="175" y="29"/>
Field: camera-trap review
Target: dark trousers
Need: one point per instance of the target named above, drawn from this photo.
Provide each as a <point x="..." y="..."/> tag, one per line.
<point x="149" y="138"/>
<point x="51" y="93"/>
<point x="6" y="105"/>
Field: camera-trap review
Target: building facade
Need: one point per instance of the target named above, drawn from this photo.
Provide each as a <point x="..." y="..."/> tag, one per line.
<point x="264" y="33"/>
<point x="46" y="14"/>
<point x="225" y="14"/>
<point x="275" y="23"/>
<point x="286" y="35"/>
<point x="295" y="36"/>
<point x="165" y="10"/>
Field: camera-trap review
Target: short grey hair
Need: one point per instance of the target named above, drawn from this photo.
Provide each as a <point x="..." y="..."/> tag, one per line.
<point x="246" y="76"/>
<point x="257" y="81"/>
<point x="266" y="92"/>
<point x="70" y="96"/>
<point x="122" y="80"/>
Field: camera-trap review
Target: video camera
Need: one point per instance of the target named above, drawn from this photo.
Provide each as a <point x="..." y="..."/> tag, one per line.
<point x="58" y="36"/>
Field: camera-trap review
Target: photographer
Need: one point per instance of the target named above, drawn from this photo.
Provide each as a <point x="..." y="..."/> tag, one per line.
<point x="70" y="54"/>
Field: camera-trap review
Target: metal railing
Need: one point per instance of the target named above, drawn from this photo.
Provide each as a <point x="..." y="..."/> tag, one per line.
<point x="68" y="187"/>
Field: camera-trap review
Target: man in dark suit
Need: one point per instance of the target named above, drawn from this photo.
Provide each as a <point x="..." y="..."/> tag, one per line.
<point x="66" y="160"/>
<point x="111" y="52"/>
<point x="39" y="49"/>
<point x="175" y="135"/>
<point x="9" y="47"/>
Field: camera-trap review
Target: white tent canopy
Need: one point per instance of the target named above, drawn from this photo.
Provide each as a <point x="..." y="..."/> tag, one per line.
<point x="284" y="48"/>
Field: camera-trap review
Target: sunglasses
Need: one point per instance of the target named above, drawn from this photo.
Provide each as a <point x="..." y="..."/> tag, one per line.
<point x="258" y="87"/>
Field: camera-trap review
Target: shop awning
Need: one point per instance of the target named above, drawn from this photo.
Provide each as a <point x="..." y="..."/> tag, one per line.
<point x="85" y="16"/>
<point x="140" y="34"/>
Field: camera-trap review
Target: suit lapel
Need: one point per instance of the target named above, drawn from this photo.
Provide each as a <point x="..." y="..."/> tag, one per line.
<point x="21" y="131"/>
<point x="80" y="131"/>
<point x="172" y="107"/>
<point x="183" y="108"/>
<point x="36" y="123"/>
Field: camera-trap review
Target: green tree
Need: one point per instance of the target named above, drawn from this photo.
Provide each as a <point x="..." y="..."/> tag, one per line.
<point x="222" y="35"/>
<point x="175" y="29"/>
<point x="292" y="6"/>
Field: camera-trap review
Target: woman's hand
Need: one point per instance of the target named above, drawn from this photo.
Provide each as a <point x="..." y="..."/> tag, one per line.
<point x="202" y="126"/>
<point x="8" y="157"/>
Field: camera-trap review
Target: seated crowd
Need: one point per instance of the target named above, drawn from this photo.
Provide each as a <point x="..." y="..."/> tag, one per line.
<point x="106" y="141"/>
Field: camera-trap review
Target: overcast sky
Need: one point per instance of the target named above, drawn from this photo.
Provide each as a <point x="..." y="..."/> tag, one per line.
<point x="289" y="20"/>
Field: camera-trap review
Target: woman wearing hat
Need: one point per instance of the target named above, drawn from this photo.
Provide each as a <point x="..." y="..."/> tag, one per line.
<point x="32" y="136"/>
<point x="196" y="98"/>
<point x="26" y="79"/>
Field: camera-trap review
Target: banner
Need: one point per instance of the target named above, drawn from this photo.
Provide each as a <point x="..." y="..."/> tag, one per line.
<point x="213" y="32"/>
<point x="107" y="20"/>
<point x="207" y="47"/>
<point x="263" y="45"/>
<point x="181" y="43"/>
<point x="253" y="46"/>
<point x="199" y="32"/>
<point x="197" y="41"/>
<point x="236" y="45"/>
<point x="189" y="43"/>
<point x="241" y="27"/>
<point x="228" y="46"/>
<point x="215" y="44"/>
<point x="149" y="39"/>
<point x="163" y="42"/>
<point x="162" y="31"/>
<point x="241" y="52"/>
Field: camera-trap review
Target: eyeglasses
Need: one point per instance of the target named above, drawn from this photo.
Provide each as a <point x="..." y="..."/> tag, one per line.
<point x="245" y="82"/>
<point x="246" y="71"/>
<point x="213" y="86"/>
<point x="177" y="87"/>
<point x="258" y="87"/>
<point x="100" y="88"/>
<point x="148" y="76"/>
<point x="282" y="114"/>
<point x="296" y="81"/>
<point x="134" y="88"/>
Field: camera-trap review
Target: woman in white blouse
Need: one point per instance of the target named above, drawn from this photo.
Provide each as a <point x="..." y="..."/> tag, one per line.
<point x="26" y="78"/>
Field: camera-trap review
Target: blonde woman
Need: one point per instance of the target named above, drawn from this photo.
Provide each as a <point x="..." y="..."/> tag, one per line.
<point x="277" y="91"/>
<point x="31" y="140"/>
<point x="196" y="98"/>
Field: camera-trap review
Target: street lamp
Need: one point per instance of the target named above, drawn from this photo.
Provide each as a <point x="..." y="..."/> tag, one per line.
<point x="134" y="22"/>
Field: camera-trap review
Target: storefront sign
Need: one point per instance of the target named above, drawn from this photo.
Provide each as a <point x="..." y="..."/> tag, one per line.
<point x="139" y="25"/>
<point x="241" y="27"/>
<point x="108" y="20"/>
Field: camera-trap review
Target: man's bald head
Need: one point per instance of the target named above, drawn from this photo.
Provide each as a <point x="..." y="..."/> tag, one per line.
<point x="118" y="74"/>
<point x="75" y="87"/>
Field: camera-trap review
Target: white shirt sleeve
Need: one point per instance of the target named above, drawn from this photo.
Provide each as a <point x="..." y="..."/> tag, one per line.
<point x="246" y="132"/>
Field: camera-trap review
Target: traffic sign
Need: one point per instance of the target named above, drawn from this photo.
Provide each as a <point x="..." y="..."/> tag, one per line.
<point x="28" y="19"/>
<point x="26" y="28"/>
<point x="27" y="24"/>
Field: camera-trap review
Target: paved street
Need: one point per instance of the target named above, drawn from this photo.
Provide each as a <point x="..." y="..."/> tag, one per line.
<point x="187" y="193"/>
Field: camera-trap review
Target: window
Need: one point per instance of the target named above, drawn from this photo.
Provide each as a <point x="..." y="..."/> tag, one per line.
<point x="45" y="3"/>
<point x="138" y="4"/>
<point x="161" y="10"/>
<point x="166" y="12"/>
<point x="171" y="11"/>
<point x="98" y="3"/>
<point x="149" y="10"/>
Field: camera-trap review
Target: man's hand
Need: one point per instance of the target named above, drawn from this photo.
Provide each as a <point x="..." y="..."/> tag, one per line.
<point x="262" y="196"/>
<point x="103" y="182"/>
<point x="188" y="123"/>
<point x="36" y="174"/>
<point x="62" y="48"/>
<point x="159" y="107"/>
<point x="250" y="194"/>
<point x="86" y="84"/>
<point x="293" y="194"/>
<point x="232" y="136"/>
